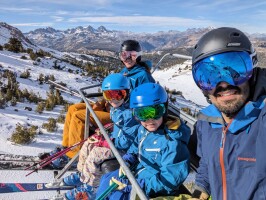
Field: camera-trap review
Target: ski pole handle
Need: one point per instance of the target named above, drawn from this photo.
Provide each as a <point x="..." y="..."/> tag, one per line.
<point x="110" y="189"/>
<point x="113" y="186"/>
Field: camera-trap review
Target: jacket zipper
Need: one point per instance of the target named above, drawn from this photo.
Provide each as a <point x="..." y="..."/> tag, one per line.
<point x="224" y="185"/>
<point x="140" y="144"/>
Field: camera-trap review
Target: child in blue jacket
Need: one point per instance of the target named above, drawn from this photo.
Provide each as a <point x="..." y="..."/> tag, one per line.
<point x="159" y="151"/>
<point x="95" y="150"/>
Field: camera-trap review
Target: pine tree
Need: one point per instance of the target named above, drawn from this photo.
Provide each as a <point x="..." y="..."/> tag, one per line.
<point x="14" y="45"/>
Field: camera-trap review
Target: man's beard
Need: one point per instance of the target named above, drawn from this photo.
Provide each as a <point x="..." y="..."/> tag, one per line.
<point x="232" y="107"/>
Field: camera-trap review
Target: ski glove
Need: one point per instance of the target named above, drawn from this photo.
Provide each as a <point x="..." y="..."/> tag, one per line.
<point x="131" y="159"/>
<point x="124" y="184"/>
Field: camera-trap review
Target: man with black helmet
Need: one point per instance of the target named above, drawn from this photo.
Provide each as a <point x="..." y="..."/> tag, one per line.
<point x="231" y="131"/>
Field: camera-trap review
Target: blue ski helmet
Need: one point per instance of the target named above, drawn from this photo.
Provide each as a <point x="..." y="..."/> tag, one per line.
<point x="148" y="94"/>
<point x="115" y="81"/>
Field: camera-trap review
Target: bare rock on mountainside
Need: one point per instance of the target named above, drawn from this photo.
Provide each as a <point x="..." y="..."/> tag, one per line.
<point x="8" y="31"/>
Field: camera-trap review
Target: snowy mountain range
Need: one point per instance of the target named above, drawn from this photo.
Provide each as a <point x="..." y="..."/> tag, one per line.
<point x="83" y="38"/>
<point x="80" y="39"/>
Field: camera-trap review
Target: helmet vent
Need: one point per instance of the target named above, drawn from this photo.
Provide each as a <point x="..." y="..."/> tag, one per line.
<point x="235" y="34"/>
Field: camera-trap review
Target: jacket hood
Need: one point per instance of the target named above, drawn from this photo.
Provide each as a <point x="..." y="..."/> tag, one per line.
<point x="176" y="129"/>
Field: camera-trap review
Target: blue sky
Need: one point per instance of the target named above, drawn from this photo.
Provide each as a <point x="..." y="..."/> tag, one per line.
<point x="135" y="15"/>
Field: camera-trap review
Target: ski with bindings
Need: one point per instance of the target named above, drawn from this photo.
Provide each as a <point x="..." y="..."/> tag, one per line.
<point x="5" y="156"/>
<point x="11" y="161"/>
<point x="28" y="187"/>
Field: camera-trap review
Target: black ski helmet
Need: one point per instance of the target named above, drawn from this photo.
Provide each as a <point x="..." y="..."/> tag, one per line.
<point x="130" y="45"/>
<point x="221" y="40"/>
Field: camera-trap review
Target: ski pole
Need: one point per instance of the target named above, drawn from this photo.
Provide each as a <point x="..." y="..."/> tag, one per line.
<point x="45" y="159"/>
<point x="59" y="154"/>
<point x="56" y="154"/>
<point x="49" y="159"/>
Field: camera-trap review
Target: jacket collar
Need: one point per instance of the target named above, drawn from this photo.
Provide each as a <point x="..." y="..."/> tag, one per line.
<point x="245" y="116"/>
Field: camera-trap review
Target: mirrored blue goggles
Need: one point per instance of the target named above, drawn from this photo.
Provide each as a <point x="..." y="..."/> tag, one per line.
<point x="234" y="68"/>
<point x="149" y="112"/>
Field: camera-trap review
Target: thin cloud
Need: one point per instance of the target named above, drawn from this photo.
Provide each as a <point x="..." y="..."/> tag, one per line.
<point x="57" y="18"/>
<point x="225" y="6"/>
<point x="45" y="24"/>
<point x="242" y="7"/>
<point x="14" y="9"/>
<point x="143" y="20"/>
<point x="82" y="13"/>
<point x="77" y="2"/>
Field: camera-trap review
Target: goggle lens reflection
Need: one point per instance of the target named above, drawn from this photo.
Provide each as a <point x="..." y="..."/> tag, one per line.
<point x="234" y="68"/>
<point x="149" y="112"/>
<point x="114" y="95"/>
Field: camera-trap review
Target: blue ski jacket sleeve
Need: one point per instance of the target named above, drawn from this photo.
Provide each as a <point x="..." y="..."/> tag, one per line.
<point x="232" y="164"/>
<point x="125" y="127"/>
<point x="163" y="158"/>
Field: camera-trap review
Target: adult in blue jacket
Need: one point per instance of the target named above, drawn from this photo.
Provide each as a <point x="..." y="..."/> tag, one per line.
<point x="231" y="131"/>
<point x="137" y="71"/>
<point x="159" y="152"/>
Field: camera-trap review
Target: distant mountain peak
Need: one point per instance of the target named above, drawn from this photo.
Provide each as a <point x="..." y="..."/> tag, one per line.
<point x="8" y="31"/>
<point x="103" y="29"/>
<point x="90" y="29"/>
<point x="49" y="30"/>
